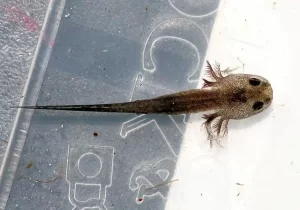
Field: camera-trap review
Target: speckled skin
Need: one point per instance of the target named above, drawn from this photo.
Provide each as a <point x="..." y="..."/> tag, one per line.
<point x="236" y="96"/>
<point x="242" y="96"/>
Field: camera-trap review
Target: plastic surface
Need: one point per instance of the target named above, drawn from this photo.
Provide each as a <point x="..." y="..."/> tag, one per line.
<point x="258" y="168"/>
<point x="20" y="25"/>
<point x="101" y="52"/>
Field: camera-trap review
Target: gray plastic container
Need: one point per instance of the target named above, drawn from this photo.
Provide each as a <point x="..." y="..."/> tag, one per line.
<point x="102" y="52"/>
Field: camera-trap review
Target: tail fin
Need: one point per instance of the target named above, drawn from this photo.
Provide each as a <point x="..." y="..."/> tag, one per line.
<point x="121" y="107"/>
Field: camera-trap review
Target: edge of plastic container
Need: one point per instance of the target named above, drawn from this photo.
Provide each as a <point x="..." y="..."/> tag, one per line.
<point x="31" y="91"/>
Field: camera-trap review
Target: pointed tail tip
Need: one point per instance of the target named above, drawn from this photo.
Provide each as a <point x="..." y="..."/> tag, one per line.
<point x="20" y="107"/>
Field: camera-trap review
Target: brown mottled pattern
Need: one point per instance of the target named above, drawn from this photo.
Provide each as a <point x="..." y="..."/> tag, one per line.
<point x="235" y="96"/>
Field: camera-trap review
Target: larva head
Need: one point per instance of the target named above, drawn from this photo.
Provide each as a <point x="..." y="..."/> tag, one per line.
<point x="247" y="95"/>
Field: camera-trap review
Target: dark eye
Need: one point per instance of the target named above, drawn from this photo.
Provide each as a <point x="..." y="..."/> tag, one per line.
<point x="254" y="81"/>
<point x="258" y="105"/>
